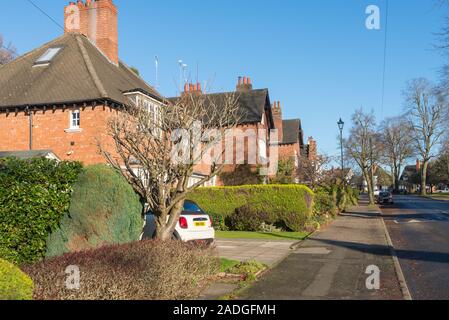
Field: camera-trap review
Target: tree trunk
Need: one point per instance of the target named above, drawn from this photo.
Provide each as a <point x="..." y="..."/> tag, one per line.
<point x="424" y="178"/>
<point x="165" y="227"/>
<point x="369" y="183"/>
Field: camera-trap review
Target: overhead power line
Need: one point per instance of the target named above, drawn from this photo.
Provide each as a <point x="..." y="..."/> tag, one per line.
<point x="45" y="14"/>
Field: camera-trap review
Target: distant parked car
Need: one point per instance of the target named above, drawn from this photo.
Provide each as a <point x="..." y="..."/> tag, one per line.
<point x="193" y="225"/>
<point x="385" y="198"/>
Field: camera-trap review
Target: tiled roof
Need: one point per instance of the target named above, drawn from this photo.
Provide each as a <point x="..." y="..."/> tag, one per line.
<point x="79" y="72"/>
<point x="292" y="131"/>
<point x="252" y="104"/>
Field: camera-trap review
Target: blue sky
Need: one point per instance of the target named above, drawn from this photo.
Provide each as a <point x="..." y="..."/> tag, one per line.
<point x="316" y="57"/>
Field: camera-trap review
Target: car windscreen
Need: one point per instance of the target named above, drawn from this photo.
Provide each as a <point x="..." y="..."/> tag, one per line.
<point x="191" y="207"/>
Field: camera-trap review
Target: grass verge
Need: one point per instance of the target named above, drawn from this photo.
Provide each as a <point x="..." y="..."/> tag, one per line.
<point x="227" y="264"/>
<point x="250" y="270"/>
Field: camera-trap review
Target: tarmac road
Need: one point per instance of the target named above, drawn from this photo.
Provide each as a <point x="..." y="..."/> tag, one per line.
<point x="419" y="229"/>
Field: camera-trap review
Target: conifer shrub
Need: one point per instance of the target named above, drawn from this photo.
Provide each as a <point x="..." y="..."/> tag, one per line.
<point x="104" y="210"/>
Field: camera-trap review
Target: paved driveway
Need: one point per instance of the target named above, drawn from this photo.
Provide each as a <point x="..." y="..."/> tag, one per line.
<point x="267" y="252"/>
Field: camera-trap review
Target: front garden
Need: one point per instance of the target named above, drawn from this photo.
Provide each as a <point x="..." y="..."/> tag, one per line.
<point x="57" y="215"/>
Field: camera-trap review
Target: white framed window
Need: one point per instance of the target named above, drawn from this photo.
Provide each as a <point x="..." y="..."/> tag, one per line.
<point x="75" y="119"/>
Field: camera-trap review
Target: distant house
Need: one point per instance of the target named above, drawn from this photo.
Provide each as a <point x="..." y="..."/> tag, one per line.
<point x="258" y="113"/>
<point x="410" y="178"/>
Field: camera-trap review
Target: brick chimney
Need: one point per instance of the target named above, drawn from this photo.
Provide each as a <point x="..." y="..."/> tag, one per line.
<point x="276" y="110"/>
<point x="244" y="84"/>
<point x="98" y="21"/>
<point x="418" y="165"/>
<point x="190" y="88"/>
<point x="313" y="153"/>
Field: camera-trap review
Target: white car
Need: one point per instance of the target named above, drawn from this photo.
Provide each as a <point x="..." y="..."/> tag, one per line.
<point x="193" y="225"/>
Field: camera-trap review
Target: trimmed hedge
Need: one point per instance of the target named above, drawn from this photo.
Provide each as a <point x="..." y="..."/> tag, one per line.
<point x="14" y="284"/>
<point x="104" y="210"/>
<point x="34" y="196"/>
<point x="289" y="204"/>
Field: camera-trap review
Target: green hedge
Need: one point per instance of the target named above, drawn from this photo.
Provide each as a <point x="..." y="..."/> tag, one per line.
<point x="292" y="204"/>
<point x="34" y="196"/>
<point x="335" y="198"/>
<point x="14" y="284"/>
<point x="104" y="210"/>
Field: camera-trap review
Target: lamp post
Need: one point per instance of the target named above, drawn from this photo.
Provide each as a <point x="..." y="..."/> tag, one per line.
<point x="341" y="126"/>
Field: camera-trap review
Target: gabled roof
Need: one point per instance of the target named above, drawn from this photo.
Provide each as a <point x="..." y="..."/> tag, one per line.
<point x="292" y="132"/>
<point x="79" y="72"/>
<point x="252" y="104"/>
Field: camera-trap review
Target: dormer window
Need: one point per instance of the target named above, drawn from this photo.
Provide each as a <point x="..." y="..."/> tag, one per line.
<point x="48" y="56"/>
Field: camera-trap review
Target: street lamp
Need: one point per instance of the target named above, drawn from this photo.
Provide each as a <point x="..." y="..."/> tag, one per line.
<point x="341" y="126"/>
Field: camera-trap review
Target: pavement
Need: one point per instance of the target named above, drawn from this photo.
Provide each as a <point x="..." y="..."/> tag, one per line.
<point x="419" y="229"/>
<point x="267" y="252"/>
<point x="332" y="264"/>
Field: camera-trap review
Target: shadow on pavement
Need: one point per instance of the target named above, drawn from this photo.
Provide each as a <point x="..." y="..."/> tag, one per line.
<point x="441" y="257"/>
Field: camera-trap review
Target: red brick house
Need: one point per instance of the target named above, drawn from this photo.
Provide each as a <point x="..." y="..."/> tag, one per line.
<point x="59" y="97"/>
<point x="259" y="113"/>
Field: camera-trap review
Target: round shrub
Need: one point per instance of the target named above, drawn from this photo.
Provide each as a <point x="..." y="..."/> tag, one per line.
<point x="104" y="210"/>
<point x="14" y="284"/>
<point x="246" y="219"/>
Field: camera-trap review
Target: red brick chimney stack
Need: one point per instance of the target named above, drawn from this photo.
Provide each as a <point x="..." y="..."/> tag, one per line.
<point x="244" y="84"/>
<point x="277" y="118"/>
<point x="190" y="88"/>
<point x="418" y="165"/>
<point x="98" y="21"/>
<point x="313" y="153"/>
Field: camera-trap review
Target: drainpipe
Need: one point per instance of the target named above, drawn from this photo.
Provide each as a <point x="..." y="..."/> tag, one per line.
<point x="30" y="117"/>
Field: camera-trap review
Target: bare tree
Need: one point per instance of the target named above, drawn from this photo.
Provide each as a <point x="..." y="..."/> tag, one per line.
<point x="312" y="171"/>
<point x="395" y="135"/>
<point x="426" y="112"/>
<point x="158" y="154"/>
<point x="7" y="52"/>
<point x="363" y="147"/>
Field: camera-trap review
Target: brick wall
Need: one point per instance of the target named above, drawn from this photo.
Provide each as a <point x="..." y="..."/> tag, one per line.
<point x="287" y="151"/>
<point x="50" y="133"/>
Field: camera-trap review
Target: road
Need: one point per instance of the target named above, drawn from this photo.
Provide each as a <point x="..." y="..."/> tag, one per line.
<point x="419" y="229"/>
